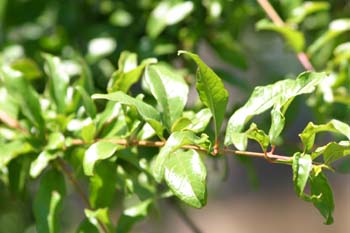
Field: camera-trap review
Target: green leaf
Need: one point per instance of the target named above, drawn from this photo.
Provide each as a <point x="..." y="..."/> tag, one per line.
<point x="87" y="102"/>
<point x="12" y="150"/>
<point x="128" y="72"/>
<point x="8" y="104"/>
<point x="322" y="196"/>
<point x="185" y="174"/>
<point x="336" y="28"/>
<point x="59" y="81"/>
<point x="27" y="67"/>
<point x="299" y="13"/>
<point x="278" y="95"/>
<point x="181" y="124"/>
<point x="98" y="151"/>
<point x="102" y="184"/>
<point x="308" y="135"/>
<point x="41" y="162"/>
<point x="48" y="202"/>
<point x="211" y="91"/>
<point x="174" y="142"/>
<point x="199" y="121"/>
<point x="294" y="38"/>
<point x="333" y="151"/>
<point x="302" y="165"/>
<point x="86" y="227"/>
<point x="147" y="112"/>
<point x="132" y="215"/>
<point x="55" y="141"/>
<point x="98" y="217"/>
<point x="258" y="135"/>
<point x="167" y="13"/>
<point x="25" y="95"/>
<point x="169" y="89"/>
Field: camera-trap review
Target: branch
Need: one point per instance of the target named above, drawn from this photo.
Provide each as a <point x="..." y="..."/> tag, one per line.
<point x="12" y="123"/>
<point x="272" y="14"/>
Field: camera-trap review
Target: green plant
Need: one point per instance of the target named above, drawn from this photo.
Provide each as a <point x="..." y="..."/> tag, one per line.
<point x="150" y="145"/>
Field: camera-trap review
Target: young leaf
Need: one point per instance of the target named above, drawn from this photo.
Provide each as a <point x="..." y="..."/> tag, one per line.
<point x="302" y="165"/>
<point x="25" y="95"/>
<point x="87" y="102"/>
<point x="174" y="142"/>
<point x="211" y="91"/>
<point x="48" y="202"/>
<point x="41" y="162"/>
<point x="308" y="135"/>
<point x="199" y="121"/>
<point x="258" y="135"/>
<point x="128" y="72"/>
<point x="307" y="8"/>
<point x="98" y="216"/>
<point x="59" y="81"/>
<point x="98" y="151"/>
<point x="147" y="112"/>
<point x="294" y="38"/>
<point x="169" y="89"/>
<point x="167" y="13"/>
<point x="322" y="196"/>
<point x="333" y="151"/>
<point x="185" y="174"/>
<point x="277" y="95"/>
<point x="132" y="215"/>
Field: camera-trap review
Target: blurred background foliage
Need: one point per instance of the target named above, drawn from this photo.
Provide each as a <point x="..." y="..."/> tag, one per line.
<point x="90" y="35"/>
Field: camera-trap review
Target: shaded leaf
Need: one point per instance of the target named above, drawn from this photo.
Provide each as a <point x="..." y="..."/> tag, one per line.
<point x="147" y="112"/>
<point x="277" y="95"/>
<point x="98" y="151"/>
<point x="48" y="202"/>
<point x="294" y="38"/>
<point x="185" y="174"/>
<point x="87" y="102"/>
<point x="211" y="91"/>
<point x="308" y="135"/>
<point x="98" y="217"/>
<point x="302" y="165"/>
<point x="169" y="89"/>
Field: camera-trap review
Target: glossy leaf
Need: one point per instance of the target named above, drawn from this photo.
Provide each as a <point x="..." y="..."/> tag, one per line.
<point x="169" y="89"/>
<point x="322" y="196"/>
<point x="13" y="149"/>
<point x="299" y="13"/>
<point x="185" y="174"/>
<point x="333" y="151"/>
<point x="48" y="202"/>
<point x="132" y="215"/>
<point x="128" y="72"/>
<point x="174" y="142"/>
<point x="59" y="81"/>
<point x="211" y="91"/>
<point x="258" y="135"/>
<point x="98" y="151"/>
<point x="147" y="112"/>
<point x="167" y="13"/>
<point x="87" y="102"/>
<point x="309" y="133"/>
<point x="277" y="95"/>
<point x="302" y="166"/>
<point x="41" y="162"/>
<point x="25" y="95"/>
<point x="199" y="120"/>
<point x="294" y="38"/>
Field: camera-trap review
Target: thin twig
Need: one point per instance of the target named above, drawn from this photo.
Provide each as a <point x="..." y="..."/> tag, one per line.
<point x="184" y="216"/>
<point x="272" y="14"/>
<point x="12" y="123"/>
<point x="64" y="167"/>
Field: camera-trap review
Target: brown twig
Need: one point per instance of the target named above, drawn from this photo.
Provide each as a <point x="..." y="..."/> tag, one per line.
<point x="12" y="123"/>
<point x="272" y="14"/>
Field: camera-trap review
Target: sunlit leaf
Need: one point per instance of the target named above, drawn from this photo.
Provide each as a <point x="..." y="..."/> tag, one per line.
<point x="294" y="38"/>
<point x="211" y="91"/>
<point x="41" y="162"/>
<point x="199" y="120"/>
<point x="302" y="165"/>
<point x="277" y="95"/>
<point x="98" y="151"/>
<point x="309" y="133"/>
<point x="185" y="174"/>
<point x="169" y="89"/>
<point x="98" y="217"/>
<point x="332" y="151"/>
<point x="147" y="112"/>
<point x="299" y="13"/>
<point x="174" y="142"/>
